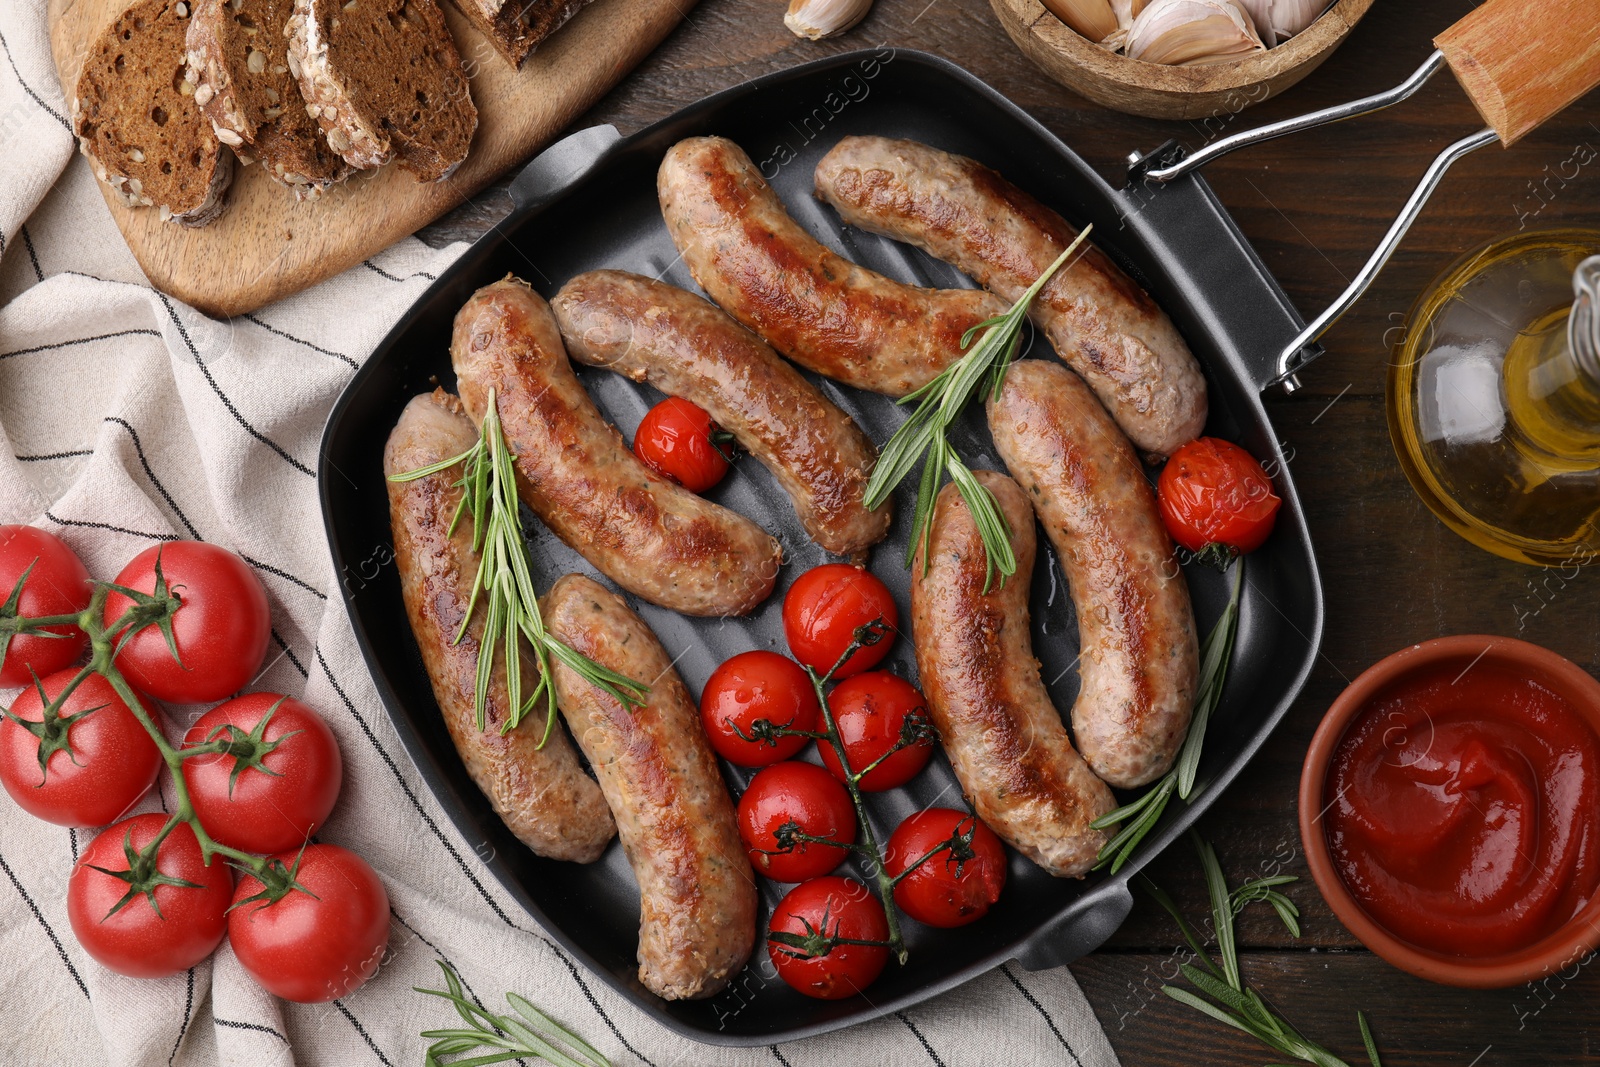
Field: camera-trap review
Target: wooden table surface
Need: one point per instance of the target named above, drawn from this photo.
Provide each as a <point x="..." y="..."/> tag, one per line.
<point x="1313" y="206"/>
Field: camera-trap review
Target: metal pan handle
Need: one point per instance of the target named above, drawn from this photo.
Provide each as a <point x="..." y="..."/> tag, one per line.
<point x="1077" y="933"/>
<point x="552" y="171"/>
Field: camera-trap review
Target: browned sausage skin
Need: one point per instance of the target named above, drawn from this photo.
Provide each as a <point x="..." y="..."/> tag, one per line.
<point x="651" y="537"/>
<point x="1139" y="657"/>
<point x="1099" y="320"/>
<point x="697" y="920"/>
<point x="822" y="311"/>
<point x="685" y="346"/>
<point x="1003" y="735"/>
<point x="541" y="793"/>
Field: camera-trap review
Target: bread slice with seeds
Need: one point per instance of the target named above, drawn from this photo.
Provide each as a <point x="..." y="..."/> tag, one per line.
<point x="239" y="63"/>
<point x="383" y="79"/>
<point x="516" y="27"/>
<point x="135" y="117"/>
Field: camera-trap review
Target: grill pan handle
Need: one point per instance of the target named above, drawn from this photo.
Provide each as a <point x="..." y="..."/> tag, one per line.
<point x="1520" y="64"/>
<point x="550" y="172"/>
<point x="1077" y="933"/>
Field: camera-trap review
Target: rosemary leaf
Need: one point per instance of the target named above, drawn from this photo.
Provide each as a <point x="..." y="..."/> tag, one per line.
<point x="1214" y="660"/>
<point x="1366" y="1039"/>
<point x="535" y="1035"/>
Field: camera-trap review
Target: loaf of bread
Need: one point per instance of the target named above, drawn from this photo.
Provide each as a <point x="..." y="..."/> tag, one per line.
<point x="515" y="27"/>
<point x="239" y="62"/>
<point x="383" y="79"/>
<point x="136" y="120"/>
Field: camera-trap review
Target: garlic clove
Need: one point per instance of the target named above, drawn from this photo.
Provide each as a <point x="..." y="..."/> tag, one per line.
<point x="816" y="19"/>
<point x="1094" y="19"/>
<point x="1279" y="20"/>
<point x="1193" y="33"/>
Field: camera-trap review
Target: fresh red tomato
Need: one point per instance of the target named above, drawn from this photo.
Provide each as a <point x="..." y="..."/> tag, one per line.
<point x="874" y="712"/>
<point x="795" y="796"/>
<point x="678" y="440"/>
<point x="748" y="688"/>
<point x="58" y="584"/>
<point x="277" y="783"/>
<point x="319" y="945"/>
<point x="822" y="611"/>
<point x="97" y="766"/>
<point x="221" y="625"/>
<point x="1214" y="492"/>
<point x="826" y="908"/>
<point x="145" y="940"/>
<point x="949" y="888"/>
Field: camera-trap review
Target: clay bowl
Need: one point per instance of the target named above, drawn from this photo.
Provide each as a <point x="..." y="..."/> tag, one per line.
<point x="1158" y="91"/>
<point x="1557" y="951"/>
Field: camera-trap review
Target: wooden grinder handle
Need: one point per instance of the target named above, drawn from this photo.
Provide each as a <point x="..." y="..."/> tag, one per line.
<point x="1522" y="61"/>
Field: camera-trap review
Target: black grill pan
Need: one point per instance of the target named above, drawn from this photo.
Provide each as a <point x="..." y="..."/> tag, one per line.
<point x="590" y="202"/>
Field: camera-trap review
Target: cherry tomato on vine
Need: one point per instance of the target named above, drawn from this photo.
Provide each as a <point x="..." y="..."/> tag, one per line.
<point x="314" y="946"/>
<point x="873" y="712"/>
<point x="800" y="796"/>
<point x="750" y="687"/>
<point x="100" y="760"/>
<point x="953" y="887"/>
<point x="823" y="609"/>
<point x="57" y="584"/>
<point x="678" y="440"/>
<point x="1213" y="492"/>
<point x="826" y="908"/>
<point x="277" y="783"/>
<point x="221" y="625"/>
<point x="139" y="940"/>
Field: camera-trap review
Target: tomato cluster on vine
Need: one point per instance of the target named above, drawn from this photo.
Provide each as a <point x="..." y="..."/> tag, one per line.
<point x="253" y="779"/>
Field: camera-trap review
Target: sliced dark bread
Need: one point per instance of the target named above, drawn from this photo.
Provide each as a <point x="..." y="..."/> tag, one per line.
<point x="383" y="78"/>
<point x="239" y="62"/>
<point x="516" y="27"/>
<point x="136" y="120"/>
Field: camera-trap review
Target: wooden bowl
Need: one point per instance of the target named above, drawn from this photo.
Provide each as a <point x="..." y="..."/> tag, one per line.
<point x="1159" y="91"/>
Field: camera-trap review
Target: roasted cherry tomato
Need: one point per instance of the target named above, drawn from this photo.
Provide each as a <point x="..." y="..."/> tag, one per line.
<point x="144" y="940"/>
<point x="1214" y="492"/>
<point x="221" y="625"/>
<point x="278" y="781"/>
<point x="678" y="440"/>
<point x="951" y="887"/>
<point x="99" y="764"/>
<point x="826" y="908"/>
<point x="319" y="945"/>
<point x="874" y="712"/>
<point x="748" y="688"/>
<point x="824" y="608"/>
<point x="789" y="797"/>
<point x="57" y="584"/>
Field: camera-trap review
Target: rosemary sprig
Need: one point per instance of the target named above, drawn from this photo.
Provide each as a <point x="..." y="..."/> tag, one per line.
<point x="1141" y="816"/>
<point x="534" y="1035"/>
<point x="1232" y="1001"/>
<point x="489" y="494"/>
<point x="940" y="403"/>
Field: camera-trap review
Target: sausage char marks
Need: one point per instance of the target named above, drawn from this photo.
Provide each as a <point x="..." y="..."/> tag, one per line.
<point x="1004" y="737"/>
<point x="541" y="792"/>
<point x="650" y="536"/>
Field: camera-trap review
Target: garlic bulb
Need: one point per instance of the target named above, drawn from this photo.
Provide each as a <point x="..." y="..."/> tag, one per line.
<point x="816" y="19"/>
<point x="1279" y="20"/>
<point x="1103" y="21"/>
<point x="1193" y="33"/>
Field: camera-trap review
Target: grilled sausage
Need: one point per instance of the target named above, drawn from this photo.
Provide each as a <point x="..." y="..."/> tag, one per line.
<point x="822" y="311"/>
<point x="1003" y="735"/>
<point x="697" y="919"/>
<point x="648" y="535"/>
<point x="541" y="793"/>
<point x="685" y="346"/>
<point x="1139" y="658"/>
<point x="1101" y="323"/>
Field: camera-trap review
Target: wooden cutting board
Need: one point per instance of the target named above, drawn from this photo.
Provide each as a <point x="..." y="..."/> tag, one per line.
<point x="267" y="245"/>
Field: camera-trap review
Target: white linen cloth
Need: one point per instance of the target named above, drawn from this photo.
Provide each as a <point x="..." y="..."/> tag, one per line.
<point x="127" y="418"/>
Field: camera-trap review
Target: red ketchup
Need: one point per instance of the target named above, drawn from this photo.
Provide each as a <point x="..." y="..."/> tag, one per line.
<point x="1464" y="810"/>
